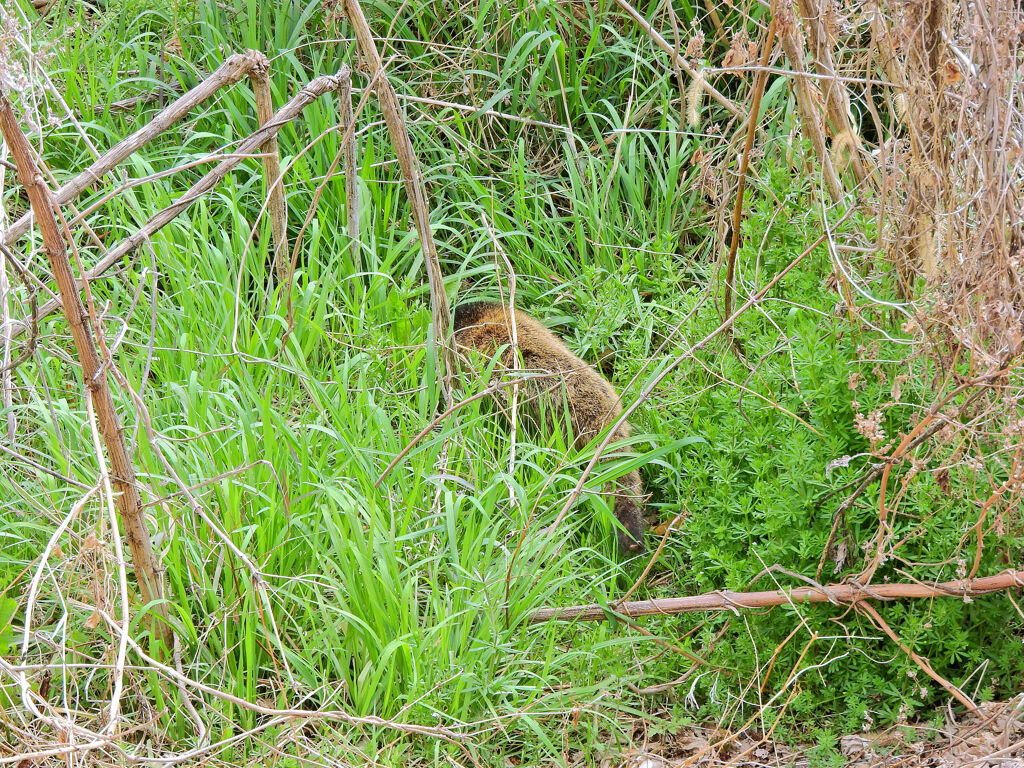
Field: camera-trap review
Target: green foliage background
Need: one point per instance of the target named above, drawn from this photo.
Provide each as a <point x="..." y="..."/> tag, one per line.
<point x="408" y="600"/>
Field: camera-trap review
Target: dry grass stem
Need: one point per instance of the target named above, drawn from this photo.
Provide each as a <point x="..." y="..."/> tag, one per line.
<point x="677" y="59"/>
<point x="351" y="149"/>
<point x="741" y="183"/>
<point x="808" y="97"/>
<point x="820" y="37"/>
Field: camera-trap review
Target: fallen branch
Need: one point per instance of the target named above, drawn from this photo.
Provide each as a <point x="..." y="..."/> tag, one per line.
<point x="234" y="68"/>
<point x="837" y="594"/>
<point x="309" y="93"/>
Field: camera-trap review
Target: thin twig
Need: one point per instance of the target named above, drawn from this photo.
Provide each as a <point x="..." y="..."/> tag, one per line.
<point x="653" y="384"/>
<point x="922" y="662"/>
<point x="741" y="184"/>
<point x="233" y="69"/>
<point x="351" y="149"/>
<point x="681" y="62"/>
<point x="290" y="111"/>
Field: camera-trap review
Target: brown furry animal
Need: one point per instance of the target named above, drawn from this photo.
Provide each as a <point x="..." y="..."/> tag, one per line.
<point x="591" y="402"/>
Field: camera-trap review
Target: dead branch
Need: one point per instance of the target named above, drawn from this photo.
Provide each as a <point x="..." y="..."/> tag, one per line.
<point x="94" y="373"/>
<point x="869" y="610"/>
<point x="308" y="94"/>
<point x="414" y="188"/>
<point x="837" y="594"/>
<point x="233" y="69"/>
<point x="277" y="208"/>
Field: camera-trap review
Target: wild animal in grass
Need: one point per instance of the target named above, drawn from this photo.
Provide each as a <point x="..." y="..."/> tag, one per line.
<point x="563" y="382"/>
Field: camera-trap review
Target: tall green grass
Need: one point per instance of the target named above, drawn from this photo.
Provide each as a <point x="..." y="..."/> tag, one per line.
<point x="408" y="599"/>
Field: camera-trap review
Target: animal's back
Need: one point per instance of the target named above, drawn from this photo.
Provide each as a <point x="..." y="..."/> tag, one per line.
<point x="561" y="377"/>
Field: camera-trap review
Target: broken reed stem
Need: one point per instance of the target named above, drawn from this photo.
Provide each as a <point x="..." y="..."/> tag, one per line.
<point x="414" y="188"/>
<point x="231" y="71"/>
<point x="94" y="374"/>
<point x="348" y="133"/>
<point x="308" y="94"/>
<point x="277" y="208"/>
<point x="837" y="594"/>
<point x="741" y="184"/>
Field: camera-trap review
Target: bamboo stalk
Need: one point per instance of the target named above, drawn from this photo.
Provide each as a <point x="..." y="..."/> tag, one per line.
<point x="94" y="373"/>
<point x="233" y="69"/>
<point x="277" y="208"/>
<point x="834" y="593"/>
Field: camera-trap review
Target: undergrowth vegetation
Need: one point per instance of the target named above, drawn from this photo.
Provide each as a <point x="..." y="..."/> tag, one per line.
<point x="408" y="599"/>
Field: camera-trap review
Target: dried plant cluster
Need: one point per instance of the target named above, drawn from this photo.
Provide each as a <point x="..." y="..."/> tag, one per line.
<point x="958" y="66"/>
<point x="941" y="85"/>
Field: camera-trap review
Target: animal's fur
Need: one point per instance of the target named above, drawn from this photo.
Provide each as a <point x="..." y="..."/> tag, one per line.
<point x="569" y="383"/>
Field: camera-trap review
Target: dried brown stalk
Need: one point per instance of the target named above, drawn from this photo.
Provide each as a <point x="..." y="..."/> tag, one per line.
<point x="233" y="69"/>
<point x="989" y="146"/>
<point x="928" y="426"/>
<point x="837" y="594"/>
<point x="94" y="373"/>
<point x="414" y="188"/>
<point x="808" y="98"/>
<point x="926" y="21"/>
<point x="741" y="184"/>
<point x="348" y="132"/>
<point x="277" y="208"/>
<point x="836" y="97"/>
<point x="308" y="94"/>
<point x="956" y="693"/>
